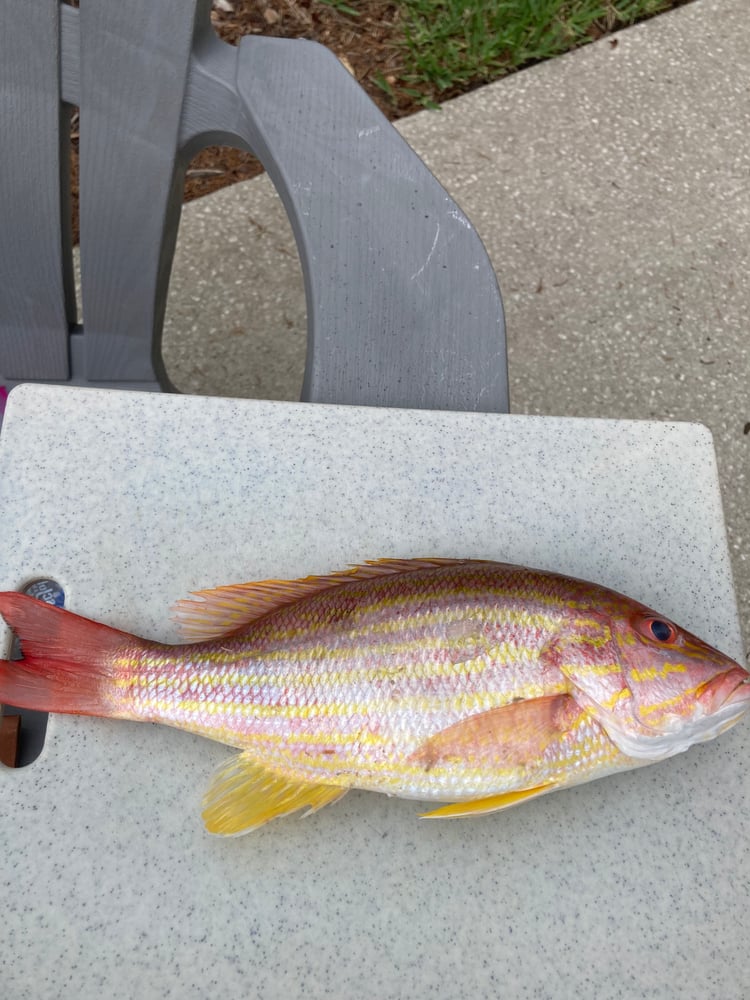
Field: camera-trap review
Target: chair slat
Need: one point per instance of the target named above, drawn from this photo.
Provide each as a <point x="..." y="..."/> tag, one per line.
<point x="134" y="64"/>
<point x="37" y="303"/>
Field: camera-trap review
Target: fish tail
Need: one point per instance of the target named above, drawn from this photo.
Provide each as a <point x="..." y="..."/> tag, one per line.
<point x="69" y="663"/>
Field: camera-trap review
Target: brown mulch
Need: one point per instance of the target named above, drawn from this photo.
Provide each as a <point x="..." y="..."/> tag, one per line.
<point x="367" y="45"/>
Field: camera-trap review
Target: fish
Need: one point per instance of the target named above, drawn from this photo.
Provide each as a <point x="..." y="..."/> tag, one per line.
<point x="471" y="684"/>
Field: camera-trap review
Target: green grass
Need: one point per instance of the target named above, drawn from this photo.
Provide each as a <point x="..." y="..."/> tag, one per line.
<point x="342" y="7"/>
<point x="453" y="44"/>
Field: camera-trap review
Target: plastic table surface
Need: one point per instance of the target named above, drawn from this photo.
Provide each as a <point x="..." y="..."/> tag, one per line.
<point x="635" y="885"/>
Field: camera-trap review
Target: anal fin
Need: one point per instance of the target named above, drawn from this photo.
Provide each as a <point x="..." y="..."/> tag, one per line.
<point x="244" y="795"/>
<point x="493" y="803"/>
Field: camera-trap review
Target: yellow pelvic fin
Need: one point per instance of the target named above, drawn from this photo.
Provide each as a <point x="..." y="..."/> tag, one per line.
<point x="211" y="613"/>
<point x="480" y="807"/>
<point x="244" y="795"/>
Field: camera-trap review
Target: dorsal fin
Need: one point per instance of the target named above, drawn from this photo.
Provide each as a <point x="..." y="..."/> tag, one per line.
<point x="211" y="613"/>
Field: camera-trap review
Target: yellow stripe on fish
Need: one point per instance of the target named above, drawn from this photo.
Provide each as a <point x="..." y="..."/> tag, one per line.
<point x="653" y="673"/>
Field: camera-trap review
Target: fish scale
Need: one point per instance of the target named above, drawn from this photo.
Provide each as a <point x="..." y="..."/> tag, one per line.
<point x="470" y="682"/>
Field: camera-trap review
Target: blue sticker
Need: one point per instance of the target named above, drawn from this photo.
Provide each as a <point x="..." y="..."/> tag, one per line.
<point x="48" y="591"/>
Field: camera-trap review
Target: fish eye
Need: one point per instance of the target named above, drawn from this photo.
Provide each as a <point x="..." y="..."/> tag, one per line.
<point x="660" y="630"/>
<point x="657" y="629"/>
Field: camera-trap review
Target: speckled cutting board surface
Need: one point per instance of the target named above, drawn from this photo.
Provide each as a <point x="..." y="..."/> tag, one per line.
<point x="635" y="885"/>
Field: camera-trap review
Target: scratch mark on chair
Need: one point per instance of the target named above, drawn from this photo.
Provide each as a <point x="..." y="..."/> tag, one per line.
<point x="459" y="217"/>
<point x="429" y="255"/>
<point x="361" y="133"/>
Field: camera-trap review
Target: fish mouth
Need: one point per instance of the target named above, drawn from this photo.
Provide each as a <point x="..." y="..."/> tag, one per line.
<point x="730" y="689"/>
<point x="721" y="702"/>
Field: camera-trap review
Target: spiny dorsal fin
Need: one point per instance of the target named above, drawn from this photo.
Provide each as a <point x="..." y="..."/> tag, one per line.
<point x="217" y="611"/>
<point x="244" y="795"/>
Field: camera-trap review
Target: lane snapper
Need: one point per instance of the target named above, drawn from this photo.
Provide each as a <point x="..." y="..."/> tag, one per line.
<point x="467" y="682"/>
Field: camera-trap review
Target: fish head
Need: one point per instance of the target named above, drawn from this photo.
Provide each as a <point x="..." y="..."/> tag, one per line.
<point x="654" y="687"/>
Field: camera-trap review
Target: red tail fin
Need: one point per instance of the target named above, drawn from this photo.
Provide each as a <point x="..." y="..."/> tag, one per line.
<point x="68" y="662"/>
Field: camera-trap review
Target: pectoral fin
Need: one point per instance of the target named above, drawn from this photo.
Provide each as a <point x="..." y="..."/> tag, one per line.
<point x="479" y="807"/>
<point x="517" y="733"/>
<point x="244" y="795"/>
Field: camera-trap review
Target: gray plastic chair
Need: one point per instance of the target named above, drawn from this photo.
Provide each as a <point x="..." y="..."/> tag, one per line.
<point x="403" y="306"/>
<point x="402" y="302"/>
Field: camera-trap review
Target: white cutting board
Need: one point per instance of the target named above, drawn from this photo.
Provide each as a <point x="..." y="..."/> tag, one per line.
<point x="634" y="885"/>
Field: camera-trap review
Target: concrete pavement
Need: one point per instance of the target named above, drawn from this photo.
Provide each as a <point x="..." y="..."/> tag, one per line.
<point x="611" y="188"/>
